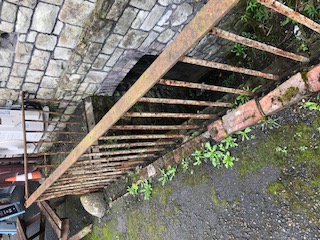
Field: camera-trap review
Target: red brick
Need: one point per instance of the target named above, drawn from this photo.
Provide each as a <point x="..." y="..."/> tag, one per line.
<point x="217" y="131"/>
<point x="244" y="116"/>
<point x="288" y="93"/>
<point x="313" y="78"/>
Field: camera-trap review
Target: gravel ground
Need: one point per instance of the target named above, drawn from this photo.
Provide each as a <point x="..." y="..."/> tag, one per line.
<point x="266" y="195"/>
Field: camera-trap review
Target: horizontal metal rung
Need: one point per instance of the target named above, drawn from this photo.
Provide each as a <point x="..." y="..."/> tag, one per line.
<point x="283" y="9"/>
<point x="202" y="86"/>
<point x="53" y="142"/>
<point x="153" y="127"/>
<point x="258" y="45"/>
<point x="135" y="144"/>
<point x="149" y="136"/>
<point x="185" y="102"/>
<point x="114" y="159"/>
<point x="230" y="68"/>
<point x="170" y="115"/>
<point x="119" y="152"/>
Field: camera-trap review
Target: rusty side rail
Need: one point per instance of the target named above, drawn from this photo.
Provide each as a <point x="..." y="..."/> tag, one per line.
<point x="200" y="25"/>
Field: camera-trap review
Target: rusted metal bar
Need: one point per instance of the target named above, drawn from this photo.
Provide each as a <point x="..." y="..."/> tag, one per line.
<point x="78" y="184"/>
<point x="153" y="127"/>
<point x="283" y="9"/>
<point x="113" y="165"/>
<point x="53" y="113"/>
<point x="113" y="159"/>
<point x="53" y="142"/>
<point x="230" y="68"/>
<point x="185" y="102"/>
<point x="46" y="153"/>
<point x="119" y="152"/>
<point x="49" y="100"/>
<point x="96" y="171"/>
<point x="205" y="19"/>
<point x="57" y="132"/>
<point x="142" y="136"/>
<point x="25" y="153"/>
<point x="47" y="196"/>
<point x="50" y="121"/>
<point x="202" y="86"/>
<point x="135" y="144"/>
<point x="170" y="115"/>
<point x="258" y="45"/>
<point x="93" y="176"/>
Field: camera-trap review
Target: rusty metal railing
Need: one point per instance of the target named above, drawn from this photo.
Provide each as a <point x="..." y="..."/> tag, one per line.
<point x="82" y="172"/>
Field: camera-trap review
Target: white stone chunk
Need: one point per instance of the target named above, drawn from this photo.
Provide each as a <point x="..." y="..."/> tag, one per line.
<point x="19" y="70"/>
<point x="111" y="43"/>
<point x="62" y="53"/>
<point x="164" y="19"/>
<point x="95" y="77"/>
<point x="6" y="26"/>
<point x="4" y="73"/>
<point x="139" y="19"/>
<point x="69" y="36"/>
<point x="23" y="19"/>
<point x="45" y="17"/>
<point x="23" y="52"/>
<point x="26" y="3"/>
<point x="166" y="36"/>
<point x="49" y="82"/>
<point x="8" y="94"/>
<point x="76" y="12"/>
<point x="9" y="12"/>
<point x="153" y="17"/>
<point x="39" y="60"/>
<point x="22" y="37"/>
<point x="58" y="28"/>
<point x="46" y="42"/>
<point x="56" y="68"/>
<point x="143" y="4"/>
<point x="32" y="36"/>
<point x="100" y="61"/>
<point x="34" y="76"/>
<point x="45" y="93"/>
<point x="14" y="82"/>
<point x="55" y="2"/>
<point x="181" y="14"/>
<point x="6" y="57"/>
<point x="30" y="87"/>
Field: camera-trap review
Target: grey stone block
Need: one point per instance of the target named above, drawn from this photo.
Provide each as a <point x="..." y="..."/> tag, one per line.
<point x="14" y="82"/>
<point x="165" y="2"/>
<point x="76" y="12"/>
<point x="31" y="37"/>
<point x="139" y="19"/>
<point x="9" y="12"/>
<point x="44" y="17"/>
<point x="165" y="18"/>
<point x="143" y="4"/>
<point x="58" y="28"/>
<point x="22" y="37"/>
<point x="49" y="82"/>
<point x="153" y="17"/>
<point x="181" y="14"/>
<point x="166" y="36"/>
<point x="92" y="52"/>
<point x="62" y="53"/>
<point x="100" y="61"/>
<point x="95" y="77"/>
<point x="9" y="94"/>
<point x="46" y="41"/>
<point x="19" y="69"/>
<point x="6" y="27"/>
<point x="45" y="93"/>
<point x="125" y="21"/>
<point x="26" y="3"/>
<point x="39" y="60"/>
<point x="84" y="68"/>
<point x="34" y="76"/>
<point x="69" y="36"/>
<point x="4" y="73"/>
<point x="133" y="39"/>
<point x="23" y="52"/>
<point x="148" y="41"/>
<point x="6" y="57"/>
<point x="55" y="2"/>
<point x="111" y="43"/>
<point x="23" y="19"/>
<point x="116" y="9"/>
<point x="56" y="68"/>
<point x="103" y="32"/>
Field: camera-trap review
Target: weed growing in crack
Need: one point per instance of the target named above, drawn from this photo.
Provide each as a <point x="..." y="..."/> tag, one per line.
<point x="243" y="98"/>
<point x="146" y="189"/>
<point x="270" y="123"/>
<point x="185" y="164"/>
<point x="133" y="189"/>
<point x="167" y="175"/>
<point x="244" y="134"/>
<point x="282" y="150"/>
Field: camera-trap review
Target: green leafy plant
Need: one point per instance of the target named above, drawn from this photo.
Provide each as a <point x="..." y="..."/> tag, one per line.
<point x="213" y="154"/>
<point x="243" y="98"/>
<point x="133" y="189"/>
<point x="171" y="172"/>
<point x="146" y="189"/>
<point x="164" y="177"/>
<point x="185" y="164"/>
<point x="303" y="148"/>
<point x="228" y="160"/>
<point x="244" y="134"/>
<point x="229" y="142"/>
<point x="198" y="155"/>
<point x="312" y="10"/>
<point x="311" y="106"/>
<point x="239" y="49"/>
<point x="282" y="150"/>
<point x="256" y="11"/>
<point x="304" y="47"/>
<point x="270" y="123"/>
<point x="230" y="81"/>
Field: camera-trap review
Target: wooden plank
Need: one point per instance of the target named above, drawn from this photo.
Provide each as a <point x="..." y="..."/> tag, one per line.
<point x="53" y="215"/>
<point x="82" y="233"/>
<point x="42" y="229"/>
<point x="65" y="229"/>
<point x="50" y="220"/>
